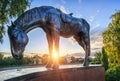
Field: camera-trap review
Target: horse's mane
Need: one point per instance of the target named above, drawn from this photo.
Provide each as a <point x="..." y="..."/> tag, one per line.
<point x="37" y="13"/>
<point x="31" y="14"/>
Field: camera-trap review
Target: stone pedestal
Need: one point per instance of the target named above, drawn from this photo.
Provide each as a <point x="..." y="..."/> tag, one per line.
<point x="92" y="73"/>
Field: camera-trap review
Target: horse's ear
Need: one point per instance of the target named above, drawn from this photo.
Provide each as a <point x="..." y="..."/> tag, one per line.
<point x="13" y="24"/>
<point x="71" y="14"/>
<point x="8" y="26"/>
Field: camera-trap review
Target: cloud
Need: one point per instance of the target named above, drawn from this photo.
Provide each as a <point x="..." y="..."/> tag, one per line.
<point x="97" y="25"/>
<point x="95" y="28"/>
<point x="96" y="41"/>
<point x="63" y="1"/>
<point x="77" y="15"/>
<point x="73" y="41"/>
<point x="96" y="46"/>
<point x="92" y="17"/>
<point x="63" y="9"/>
<point x="98" y="11"/>
<point x="80" y="15"/>
<point x="79" y="1"/>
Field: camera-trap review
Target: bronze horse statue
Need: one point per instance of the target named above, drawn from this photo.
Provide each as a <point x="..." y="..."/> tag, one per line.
<point x="55" y="23"/>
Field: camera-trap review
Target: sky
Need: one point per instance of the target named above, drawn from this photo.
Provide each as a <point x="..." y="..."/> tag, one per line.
<point x="96" y="12"/>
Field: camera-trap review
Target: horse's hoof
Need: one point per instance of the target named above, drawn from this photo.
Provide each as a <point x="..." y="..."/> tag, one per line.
<point x="86" y="64"/>
<point x="48" y="65"/>
<point x="49" y="69"/>
<point x="55" y="66"/>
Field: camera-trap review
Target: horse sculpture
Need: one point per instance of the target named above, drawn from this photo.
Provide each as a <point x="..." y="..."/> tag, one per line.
<point x="55" y="23"/>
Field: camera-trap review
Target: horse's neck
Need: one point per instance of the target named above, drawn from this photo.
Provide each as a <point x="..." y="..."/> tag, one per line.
<point x="29" y="20"/>
<point x="29" y="26"/>
<point x="32" y="25"/>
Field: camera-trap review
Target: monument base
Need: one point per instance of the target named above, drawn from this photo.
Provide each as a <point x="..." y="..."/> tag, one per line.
<point x="91" y="73"/>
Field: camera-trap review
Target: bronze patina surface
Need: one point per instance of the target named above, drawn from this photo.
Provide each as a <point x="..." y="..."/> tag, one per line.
<point x="55" y="23"/>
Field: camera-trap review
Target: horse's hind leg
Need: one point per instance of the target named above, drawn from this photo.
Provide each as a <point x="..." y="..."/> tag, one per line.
<point x="84" y="41"/>
<point x="87" y="50"/>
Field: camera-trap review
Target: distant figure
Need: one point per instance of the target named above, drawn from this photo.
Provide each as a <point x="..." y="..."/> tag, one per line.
<point x="55" y="23"/>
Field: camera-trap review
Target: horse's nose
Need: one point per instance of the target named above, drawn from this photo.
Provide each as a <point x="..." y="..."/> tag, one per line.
<point x="17" y="56"/>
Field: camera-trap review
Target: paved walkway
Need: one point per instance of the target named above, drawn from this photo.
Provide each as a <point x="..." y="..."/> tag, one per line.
<point x="7" y="73"/>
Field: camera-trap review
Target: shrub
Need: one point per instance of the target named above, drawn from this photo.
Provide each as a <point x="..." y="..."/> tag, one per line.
<point x="10" y="61"/>
<point x="63" y="60"/>
<point x="104" y="59"/>
<point x="1" y="56"/>
<point x="45" y="58"/>
<point x="97" y="58"/>
<point x="73" y="59"/>
<point x="113" y="73"/>
<point x="81" y="60"/>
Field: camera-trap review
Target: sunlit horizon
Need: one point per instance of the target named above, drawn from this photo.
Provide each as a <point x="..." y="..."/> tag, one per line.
<point x="97" y="13"/>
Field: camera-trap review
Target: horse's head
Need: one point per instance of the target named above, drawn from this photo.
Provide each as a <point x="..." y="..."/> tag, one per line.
<point x="18" y="41"/>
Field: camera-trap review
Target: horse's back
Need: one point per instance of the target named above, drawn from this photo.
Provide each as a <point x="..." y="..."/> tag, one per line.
<point x="35" y="14"/>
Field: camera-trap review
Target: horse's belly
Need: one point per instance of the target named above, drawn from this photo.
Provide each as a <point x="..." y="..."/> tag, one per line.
<point x="66" y="33"/>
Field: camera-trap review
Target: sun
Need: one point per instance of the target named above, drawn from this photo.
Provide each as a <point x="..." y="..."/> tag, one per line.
<point x="55" y="55"/>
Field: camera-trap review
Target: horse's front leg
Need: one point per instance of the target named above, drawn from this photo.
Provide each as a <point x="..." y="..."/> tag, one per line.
<point x="56" y="38"/>
<point x="50" y="46"/>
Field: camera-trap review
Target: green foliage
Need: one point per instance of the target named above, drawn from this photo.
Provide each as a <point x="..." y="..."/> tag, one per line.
<point x="10" y="61"/>
<point x="1" y="56"/>
<point x="37" y="58"/>
<point x="10" y="9"/>
<point x="2" y="32"/>
<point x="113" y="73"/>
<point x="97" y="59"/>
<point x="91" y="60"/>
<point x="80" y="60"/>
<point x="104" y="59"/>
<point x="111" y="39"/>
<point x="63" y="60"/>
<point x="45" y="59"/>
<point x="73" y="59"/>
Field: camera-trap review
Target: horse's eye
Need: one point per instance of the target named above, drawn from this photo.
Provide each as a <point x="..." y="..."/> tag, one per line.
<point x="21" y="45"/>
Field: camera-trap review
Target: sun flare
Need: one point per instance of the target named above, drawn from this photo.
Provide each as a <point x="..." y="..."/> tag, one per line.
<point x="55" y="55"/>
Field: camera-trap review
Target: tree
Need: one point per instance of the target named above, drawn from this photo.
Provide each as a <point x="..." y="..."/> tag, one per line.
<point x="1" y="56"/>
<point x="63" y="60"/>
<point x="104" y="59"/>
<point x="111" y="39"/>
<point x="10" y="9"/>
<point x="37" y="58"/>
<point x="97" y="58"/>
<point x="45" y="59"/>
<point x="73" y="59"/>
